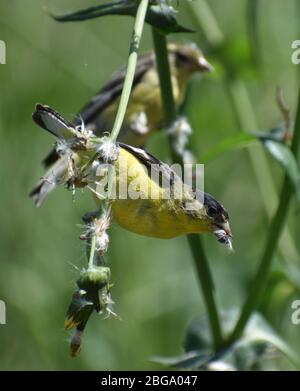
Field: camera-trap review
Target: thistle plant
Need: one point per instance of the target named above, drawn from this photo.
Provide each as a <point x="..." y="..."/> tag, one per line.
<point x="85" y="153"/>
<point x="94" y="282"/>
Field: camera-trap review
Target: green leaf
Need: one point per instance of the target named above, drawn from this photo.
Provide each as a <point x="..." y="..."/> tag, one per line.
<point x="117" y="7"/>
<point x="229" y="144"/>
<point x="274" y="142"/>
<point x="258" y="330"/>
<point x="189" y="360"/>
<point x="162" y="16"/>
<point x="277" y="133"/>
<point x="243" y="140"/>
<point x="271" y="140"/>
<point x="244" y="354"/>
<point x="283" y="154"/>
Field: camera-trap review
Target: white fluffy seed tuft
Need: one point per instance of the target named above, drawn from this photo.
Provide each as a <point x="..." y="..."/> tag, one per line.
<point x="108" y="150"/>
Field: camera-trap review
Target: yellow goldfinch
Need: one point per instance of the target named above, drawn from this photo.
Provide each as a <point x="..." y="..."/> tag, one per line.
<point x="156" y="212"/>
<point x="163" y="216"/>
<point x="144" y="113"/>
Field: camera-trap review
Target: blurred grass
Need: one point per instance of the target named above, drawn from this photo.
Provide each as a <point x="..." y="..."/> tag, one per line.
<point x="155" y="290"/>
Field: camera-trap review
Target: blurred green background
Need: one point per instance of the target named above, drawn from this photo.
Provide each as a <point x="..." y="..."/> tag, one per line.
<point x="156" y="290"/>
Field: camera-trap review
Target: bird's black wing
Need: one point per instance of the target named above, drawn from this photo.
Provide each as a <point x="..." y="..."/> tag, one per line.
<point x="111" y="90"/>
<point x="52" y="121"/>
<point x="164" y="172"/>
<point x="168" y="177"/>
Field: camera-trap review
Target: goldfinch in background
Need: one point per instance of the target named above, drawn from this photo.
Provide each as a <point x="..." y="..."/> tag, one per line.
<point x="162" y="216"/>
<point x="144" y="113"/>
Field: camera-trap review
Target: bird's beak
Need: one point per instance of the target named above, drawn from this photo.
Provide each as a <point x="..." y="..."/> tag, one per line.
<point x="204" y="65"/>
<point x="223" y="233"/>
<point x="226" y="228"/>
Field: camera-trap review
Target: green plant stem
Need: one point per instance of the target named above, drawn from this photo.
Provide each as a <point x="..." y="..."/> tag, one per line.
<point x="162" y="61"/>
<point x="252" y="10"/>
<point x="130" y="71"/>
<point x="276" y="227"/>
<point x="199" y="256"/>
<point x="207" y="285"/>
<point x="204" y="17"/>
<point x="131" y="65"/>
<point x="92" y="252"/>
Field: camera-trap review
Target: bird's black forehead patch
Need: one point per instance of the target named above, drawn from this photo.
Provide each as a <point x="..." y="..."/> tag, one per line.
<point x="186" y="53"/>
<point x="181" y="56"/>
<point x="210" y="201"/>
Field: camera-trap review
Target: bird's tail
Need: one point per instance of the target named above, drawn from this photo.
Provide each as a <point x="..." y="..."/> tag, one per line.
<point x="48" y="183"/>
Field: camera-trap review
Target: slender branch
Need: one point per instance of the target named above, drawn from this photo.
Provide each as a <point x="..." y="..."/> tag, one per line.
<point x="161" y="51"/>
<point x="276" y="227"/>
<point x="131" y="65"/>
<point x="207" y="285"/>
<point x="200" y="259"/>
<point x="92" y="245"/>
<point x="202" y="14"/>
<point x="253" y="12"/>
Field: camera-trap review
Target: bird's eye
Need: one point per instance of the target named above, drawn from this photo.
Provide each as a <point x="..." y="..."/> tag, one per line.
<point x="212" y="211"/>
<point x="182" y="58"/>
